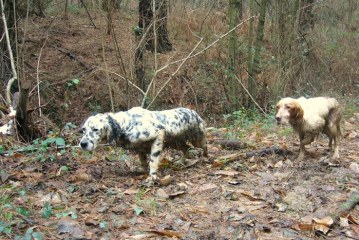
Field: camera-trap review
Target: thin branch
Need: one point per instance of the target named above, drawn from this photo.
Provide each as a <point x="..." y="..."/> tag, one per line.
<point x="172" y="75"/>
<point x="214" y="42"/>
<point x="37" y="76"/>
<point x="88" y="14"/>
<point x="206" y="48"/>
<point x="122" y="77"/>
<point x="240" y="82"/>
<point x="154" y="43"/>
<point x="12" y="62"/>
<point x="189" y="56"/>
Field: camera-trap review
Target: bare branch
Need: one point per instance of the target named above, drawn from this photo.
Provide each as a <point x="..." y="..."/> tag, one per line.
<point x="12" y="62"/>
<point x="189" y="56"/>
<point x="124" y="78"/>
<point x="254" y="101"/>
<point x="172" y="75"/>
<point x="37" y="76"/>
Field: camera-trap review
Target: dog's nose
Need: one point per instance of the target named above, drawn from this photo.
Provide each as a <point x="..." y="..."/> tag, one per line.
<point x="277" y="119"/>
<point x="83" y="145"/>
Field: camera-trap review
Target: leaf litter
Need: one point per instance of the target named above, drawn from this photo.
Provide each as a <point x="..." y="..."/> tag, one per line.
<point x="268" y="195"/>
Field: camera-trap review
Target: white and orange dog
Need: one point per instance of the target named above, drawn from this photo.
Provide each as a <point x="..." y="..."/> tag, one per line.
<point x="309" y="117"/>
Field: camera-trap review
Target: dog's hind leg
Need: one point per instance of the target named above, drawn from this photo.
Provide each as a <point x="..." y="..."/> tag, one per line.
<point x="201" y="142"/>
<point x="203" y="145"/>
<point x="336" y="148"/>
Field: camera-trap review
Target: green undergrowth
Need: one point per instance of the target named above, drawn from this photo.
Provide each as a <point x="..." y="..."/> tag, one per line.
<point x="244" y="121"/>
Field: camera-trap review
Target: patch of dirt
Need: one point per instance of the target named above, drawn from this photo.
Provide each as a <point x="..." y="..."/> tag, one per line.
<point x="99" y="196"/>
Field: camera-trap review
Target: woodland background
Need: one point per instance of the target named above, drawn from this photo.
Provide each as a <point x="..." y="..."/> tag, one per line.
<point x="218" y="57"/>
<point x="229" y="60"/>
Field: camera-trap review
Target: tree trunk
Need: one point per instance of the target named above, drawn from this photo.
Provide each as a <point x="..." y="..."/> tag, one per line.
<point x="255" y="69"/>
<point x="287" y="48"/>
<point x="234" y="12"/>
<point x="22" y="122"/>
<point x="145" y="21"/>
<point x="108" y="6"/>
<point x="306" y="23"/>
<point x="250" y="43"/>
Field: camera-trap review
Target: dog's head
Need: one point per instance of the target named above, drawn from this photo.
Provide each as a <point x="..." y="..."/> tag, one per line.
<point x="287" y="110"/>
<point x="95" y="130"/>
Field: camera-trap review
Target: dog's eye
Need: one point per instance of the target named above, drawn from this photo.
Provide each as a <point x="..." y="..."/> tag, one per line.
<point x="287" y="107"/>
<point x="83" y="130"/>
<point x="95" y="129"/>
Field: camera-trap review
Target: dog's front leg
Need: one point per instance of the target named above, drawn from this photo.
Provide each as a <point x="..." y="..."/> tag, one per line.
<point x="155" y="157"/>
<point x="143" y="161"/>
<point x="304" y="140"/>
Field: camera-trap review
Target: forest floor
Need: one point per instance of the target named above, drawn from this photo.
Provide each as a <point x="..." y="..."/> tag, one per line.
<point x="72" y="194"/>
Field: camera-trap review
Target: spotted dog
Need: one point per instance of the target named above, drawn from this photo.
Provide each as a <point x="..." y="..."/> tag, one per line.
<point x="147" y="132"/>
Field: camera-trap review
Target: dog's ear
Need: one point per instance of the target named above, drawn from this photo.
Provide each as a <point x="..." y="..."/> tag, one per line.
<point x="295" y="110"/>
<point x="113" y="129"/>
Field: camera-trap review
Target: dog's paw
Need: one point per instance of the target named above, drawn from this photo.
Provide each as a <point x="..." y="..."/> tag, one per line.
<point x="300" y="158"/>
<point x="151" y="181"/>
<point x="335" y="156"/>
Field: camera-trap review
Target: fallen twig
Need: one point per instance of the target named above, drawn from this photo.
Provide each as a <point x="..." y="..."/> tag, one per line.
<point x="260" y="153"/>
<point x="345" y="208"/>
<point x="230" y="144"/>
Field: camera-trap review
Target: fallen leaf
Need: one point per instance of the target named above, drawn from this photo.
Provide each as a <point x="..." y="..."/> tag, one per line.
<point x="217" y="164"/>
<point x="130" y="191"/>
<point x="326" y="221"/>
<point x="302" y="227"/>
<point x="176" y="194"/>
<point x="183" y="185"/>
<point x="81" y="176"/>
<point x="165" y="162"/>
<point x="227" y="172"/>
<point x="52" y="198"/>
<point x="282" y="207"/>
<point x="354" y="167"/>
<point x="191" y="162"/>
<point x="353" y="219"/>
<point x="166" y="180"/>
<point x="208" y="187"/>
<point x="253" y="168"/>
<point x="143" y="236"/>
<point x="4" y="175"/>
<point x="323" y="225"/>
<point x="161" y="193"/>
<point x="251" y="196"/>
<point x="322" y="228"/>
<point x="279" y="164"/>
<point x="68" y="225"/>
<point x="36" y="176"/>
<point x="168" y="233"/>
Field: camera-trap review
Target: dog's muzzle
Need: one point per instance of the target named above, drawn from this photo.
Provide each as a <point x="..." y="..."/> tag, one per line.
<point x="86" y="145"/>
